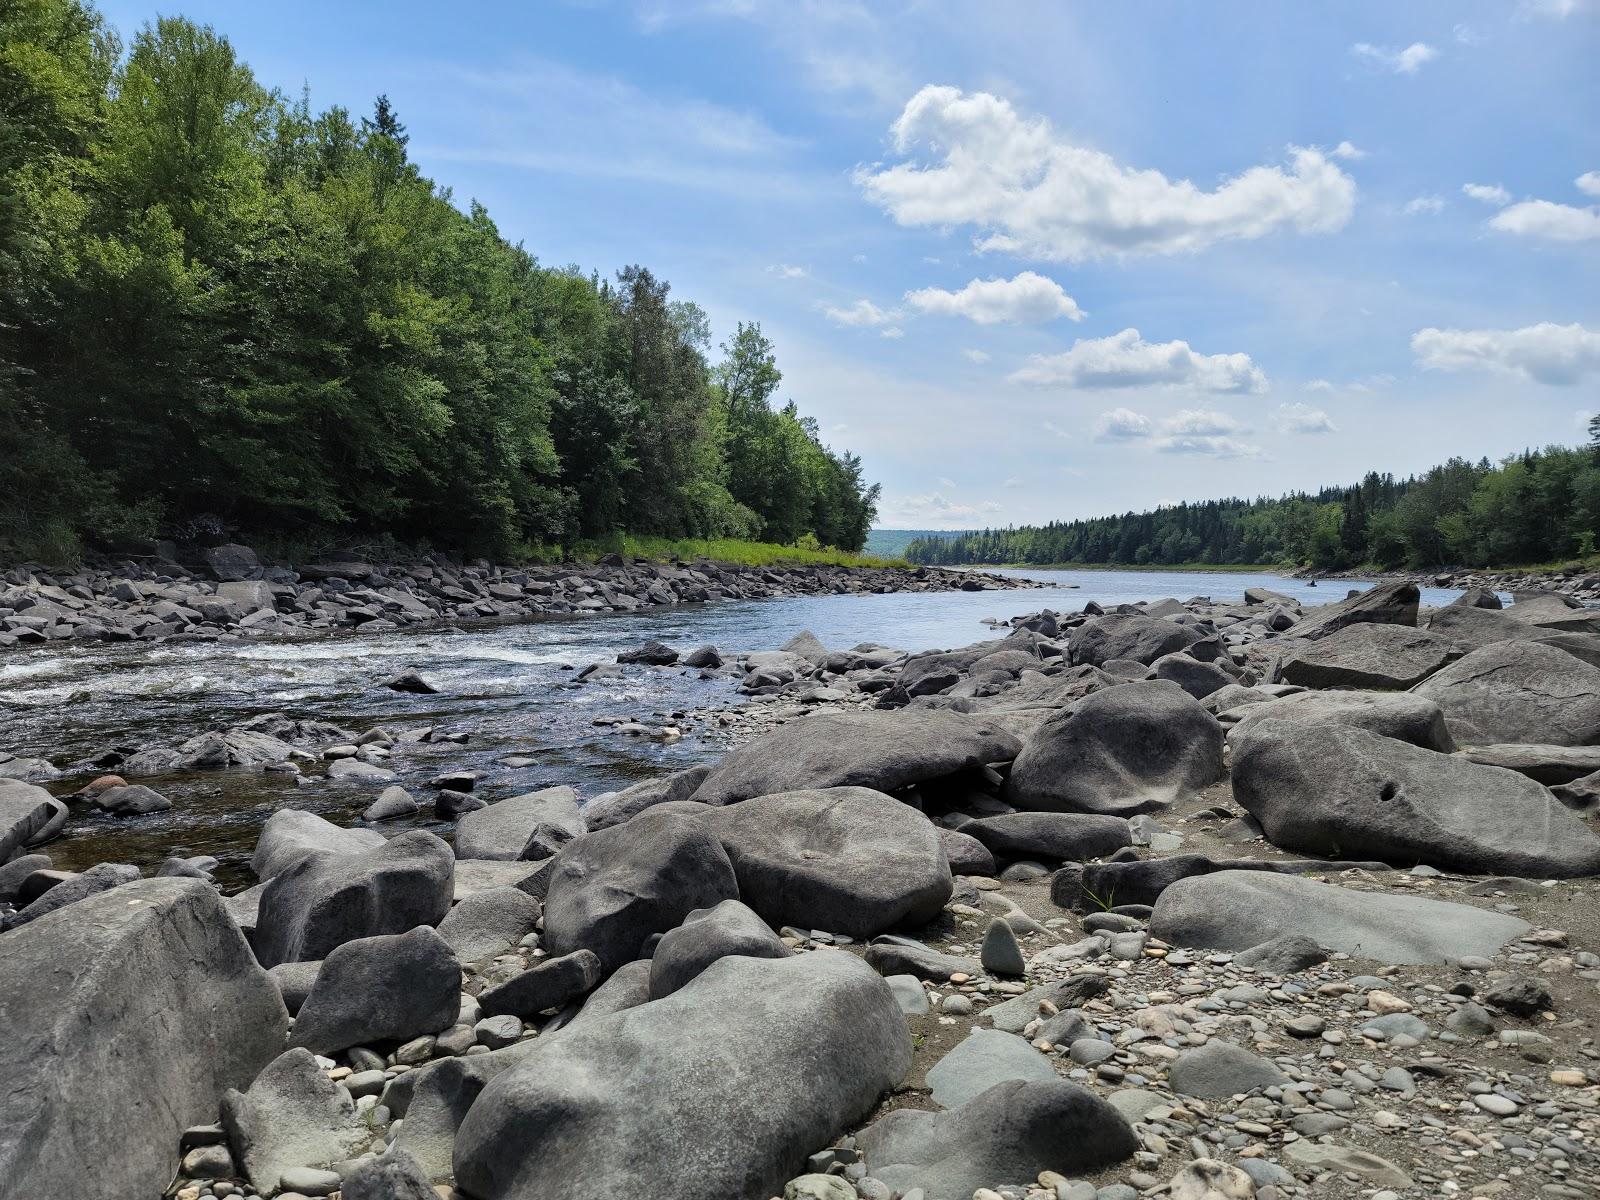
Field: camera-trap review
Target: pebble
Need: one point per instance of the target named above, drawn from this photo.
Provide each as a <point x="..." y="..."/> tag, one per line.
<point x="1493" y="1102"/>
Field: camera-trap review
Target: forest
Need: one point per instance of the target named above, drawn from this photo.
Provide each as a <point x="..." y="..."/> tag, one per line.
<point x="222" y="309"/>
<point x="1537" y="507"/>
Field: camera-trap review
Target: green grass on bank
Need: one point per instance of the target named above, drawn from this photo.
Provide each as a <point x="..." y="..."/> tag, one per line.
<point x="1198" y="568"/>
<point x="731" y="550"/>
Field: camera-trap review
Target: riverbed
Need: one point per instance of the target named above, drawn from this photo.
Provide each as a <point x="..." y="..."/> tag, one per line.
<point x="509" y="689"/>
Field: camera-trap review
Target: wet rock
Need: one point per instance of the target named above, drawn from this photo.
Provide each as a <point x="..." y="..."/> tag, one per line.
<point x="134" y="800"/>
<point x="412" y="682"/>
<point x="392" y="803"/>
<point x="652" y="654"/>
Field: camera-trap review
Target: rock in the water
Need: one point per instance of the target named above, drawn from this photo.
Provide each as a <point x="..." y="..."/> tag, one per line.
<point x="1518" y="691"/>
<point x="549" y="983"/>
<point x="291" y="1116"/>
<point x="410" y="680"/>
<point x="1056" y="836"/>
<point x="489" y="922"/>
<point x="391" y="803"/>
<point x="1393" y="657"/>
<point x="1014" y="1130"/>
<point x="883" y="750"/>
<point x="1405" y="717"/>
<point x="132" y="800"/>
<point x="501" y="830"/>
<point x="614" y="808"/>
<point x="611" y="890"/>
<point x="984" y="1058"/>
<point x="1221" y="1068"/>
<point x="846" y="860"/>
<point x="651" y="654"/>
<point x="1126" y="750"/>
<point x="1386" y="604"/>
<point x="1234" y="910"/>
<point x="1335" y="791"/>
<point x="26" y="812"/>
<point x="126" y="1019"/>
<point x="705" y="936"/>
<point x="387" y="988"/>
<point x="291" y="834"/>
<point x="657" y="1101"/>
<point x="1133" y="636"/>
<point x="323" y="901"/>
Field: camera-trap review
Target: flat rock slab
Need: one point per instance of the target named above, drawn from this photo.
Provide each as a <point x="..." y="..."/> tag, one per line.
<point x="1518" y="692"/>
<point x="1368" y="655"/>
<point x="1386" y="604"/>
<point x="501" y="830"/>
<point x="883" y="750"/>
<point x="1234" y="910"/>
<point x="986" y="1057"/>
<point x="25" y="813"/>
<point x="1549" y="765"/>
<point x="1403" y="716"/>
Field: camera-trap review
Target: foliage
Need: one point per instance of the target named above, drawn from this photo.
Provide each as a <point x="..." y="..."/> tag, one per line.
<point x="215" y="302"/>
<point x="730" y="550"/>
<point x="1537" y="506"/>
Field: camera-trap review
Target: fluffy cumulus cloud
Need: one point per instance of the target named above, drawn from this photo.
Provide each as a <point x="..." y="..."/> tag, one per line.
<point x="1302" y="418"/>
<point x="1407" y="60"/>
<point x="1548" y="221"/>
<point x="1489" y="193"/>
<point x="1588" y="183"/>
<point x="1030" y="191"/>
<point x="1204" y="432"/>
<point x="1562" y="355"/>
<point x="1027" y="299"/>
<point x="863" y="314"/>
<point x="1123" y="425"/>
<point x="1126" y="360"/>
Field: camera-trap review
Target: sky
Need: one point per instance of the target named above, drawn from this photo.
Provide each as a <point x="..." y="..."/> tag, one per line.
<point x="1036" y="261"/>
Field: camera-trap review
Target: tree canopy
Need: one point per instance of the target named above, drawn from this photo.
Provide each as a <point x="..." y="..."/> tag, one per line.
<point x="217" y="304"/>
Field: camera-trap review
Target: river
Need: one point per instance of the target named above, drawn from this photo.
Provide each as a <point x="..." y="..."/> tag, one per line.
<point x="508" y="687"/>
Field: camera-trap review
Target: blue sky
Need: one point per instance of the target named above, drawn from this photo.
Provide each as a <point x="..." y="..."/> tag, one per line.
<point x="1040" y="260"/>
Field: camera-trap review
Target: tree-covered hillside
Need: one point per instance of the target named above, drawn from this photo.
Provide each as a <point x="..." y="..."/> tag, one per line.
<point x="1536" y="507"/>
<point x="221" y="306"/>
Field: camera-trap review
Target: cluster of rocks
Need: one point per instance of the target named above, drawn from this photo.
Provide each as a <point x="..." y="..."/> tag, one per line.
<point x="228" y="590"/>
<point x="1575" y="579"/>
<point x="1197" y="900"/>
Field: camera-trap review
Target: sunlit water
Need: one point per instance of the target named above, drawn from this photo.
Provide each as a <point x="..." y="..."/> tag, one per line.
<point x="505" y="686"/>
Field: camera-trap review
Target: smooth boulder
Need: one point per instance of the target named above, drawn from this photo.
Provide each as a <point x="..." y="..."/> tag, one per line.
<point x="26" y="812"/>
<point x="291" y="1116"/>
<point x="1385" y="604"/>
<point x="501" y="830"/>
<point x="386" y="988"/>
<point x="705" y="936"/>
<point x="1518" y="691"/>
<point x="1058" y="837"/>
<point x="1134" y="748"/>
<point x="1135" y="636"/>
<point x="658" y="1101"/>
<point x="884" y="750"/>
<point x="291" y="834"/>
<point x="489" y="922"/>
<point x="1334" y="791"/>
<point x="1379" y="657"/>
<point x="1404" y="716"/>
<point x="1234" y="910"/>
<point x="126" y="1020"/>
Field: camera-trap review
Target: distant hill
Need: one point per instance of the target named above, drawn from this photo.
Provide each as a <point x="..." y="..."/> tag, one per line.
<point x="892" y="543"/>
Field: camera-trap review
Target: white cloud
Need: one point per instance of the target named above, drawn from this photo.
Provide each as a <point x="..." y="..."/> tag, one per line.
<point x="1127" y="360"/>
<point x="1204" y="432"/>
<point x="978" y="356"/>
<point x="1319" y="385"/>
<point x="1406" y="61"/>
<point x="1556" y="10"/>
<point x="1122" y="425"/>
<point x="1548" y="220"/>
<point x="893" y="333"/>
<point x="1026" y="299"/>
<point x="1489" y="193"/>
<point x="1425" y="206"/>
<point x="1032" y="192"/>
<point x="1013" y="482"/>
<point x="933" y="509"/>
<point x="861" y="314"/>
<point x="1467" y="35"/>
<point x="786" y="271"/>
<point x="1347" y="150"/>
<point x="1302" y="418"/>
<point x="1548" y="353"/>
<point x="1588" y="183"/>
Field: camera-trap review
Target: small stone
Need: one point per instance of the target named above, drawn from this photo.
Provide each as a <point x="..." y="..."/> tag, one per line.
<point x="956" y="1005"/>
<point x="1308" y="1026"/>
<point x="1498" y="1105"/>
<point x="1568" y="1078"/>
<point x="1002" y="953"/>
<point x="1384" y="1003"/>
<point x="208" y="1162"/>
<point x="309" y="1181"/>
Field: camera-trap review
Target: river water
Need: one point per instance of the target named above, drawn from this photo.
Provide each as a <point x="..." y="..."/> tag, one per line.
<point x="508" y="687"/>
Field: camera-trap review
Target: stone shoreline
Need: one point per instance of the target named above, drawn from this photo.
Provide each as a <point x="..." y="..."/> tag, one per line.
<point x="1580" y="582"/>
<point x="229" y="591"/>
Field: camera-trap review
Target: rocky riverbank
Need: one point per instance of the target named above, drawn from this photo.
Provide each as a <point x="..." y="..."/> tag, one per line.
<point x="1199" y="900"/>
<point x="1578" y="581"/>
<point x="228" y="591"/>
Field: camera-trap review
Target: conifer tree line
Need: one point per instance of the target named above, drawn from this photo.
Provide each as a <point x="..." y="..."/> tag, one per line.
<point x="1539" y="506"/>
<point x="220" y="305"/>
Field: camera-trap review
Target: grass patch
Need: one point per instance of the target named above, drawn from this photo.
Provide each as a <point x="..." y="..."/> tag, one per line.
<point x="730" y="550"/>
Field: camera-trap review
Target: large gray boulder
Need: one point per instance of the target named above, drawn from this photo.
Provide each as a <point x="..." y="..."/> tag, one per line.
<point x="26" y="813"/>
<point x="239" y="749"/>
<point x="1055" y="836"/>
<point x="658" y="1101"/>
<point x="1385" y="604"/>
<point x="1383" y="657"/>
<point x="1518" y="691"/>
<point x="125" y="1020"/>
<point x="489" y="922"/>
<point x="1334" y="791"/>
<point x="501" y="830"/>
<point x="291" y="834"/>
<point x="436" y="1098"/>
<point x="387" y="988"/>
<point x="1405" y="717"/>
<point x="611" y="890"/>
<point x="102" y="877"/>
<point x="1132" y="636"/>
<point x="292" y="1115"/>
<point x="883" y="750"/>
<point x="613" y="808"/>
<point x="982" y="1059"/>
<point x="1199" y="679"/>
<point x="323" y="901"/>
<point x="1220" y="1069"/>
<point x="1015" y="1130"/>
<point x="1550" y="765"/>
<point x="394" y="1175"/>
<point x="1552" y="610"/>
<point x="1475" y="628"/>
<point x="845" y="860"/>
<point x="1235" y="910"/>
<point x="1130" y="749"/>
<point x="703" y="938"/>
